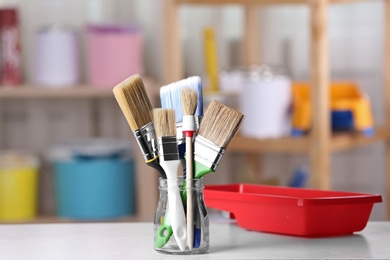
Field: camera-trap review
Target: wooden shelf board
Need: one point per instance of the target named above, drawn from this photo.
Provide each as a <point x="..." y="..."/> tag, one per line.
<point x="339" y="142"/>
<point x="79" y="91"/>
<point x="56" y="219"/>
<point x="342" y="142"/>
<point x="256" y="2"/>
<point x="279" y="145"/>
<point x="27" y="91"/>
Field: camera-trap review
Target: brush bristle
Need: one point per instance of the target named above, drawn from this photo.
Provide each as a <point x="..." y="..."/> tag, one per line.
<point x="189" y="100"/>
<point x="195" y="83"/>
<point x="220" y="123"/>
<point x="164" y="122"/>
<point x="170" y="96"/>
<point x="134" y="102"/>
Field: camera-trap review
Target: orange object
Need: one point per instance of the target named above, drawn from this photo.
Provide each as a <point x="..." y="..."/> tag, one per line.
<point x="344" y="96"/>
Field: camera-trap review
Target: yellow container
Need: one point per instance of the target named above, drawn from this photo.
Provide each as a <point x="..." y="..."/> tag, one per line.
<point x="18" y="187"/>
<point x="343" y="95"/>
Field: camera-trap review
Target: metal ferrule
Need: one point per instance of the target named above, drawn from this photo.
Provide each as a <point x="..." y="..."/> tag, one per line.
<point x="179" y="130"/>
<point x="180" y="139"/>
<point x="167" y="147"/>
<point x="207" y="153"/>
<point x="147" y="141"/>
<point x="198" y="120"/>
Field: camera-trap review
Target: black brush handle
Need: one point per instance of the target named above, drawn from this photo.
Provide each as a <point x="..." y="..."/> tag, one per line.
<point x="156" y="165"/>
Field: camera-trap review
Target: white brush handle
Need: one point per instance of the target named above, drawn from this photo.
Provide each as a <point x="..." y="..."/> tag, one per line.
<point x="189" y="177"/>
<point x="176" y="210"/>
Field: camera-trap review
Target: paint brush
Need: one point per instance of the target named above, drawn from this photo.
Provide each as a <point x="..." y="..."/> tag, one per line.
<point x="170" y="98"/>
<point x="165" y="125"/>
<point x="189" y="98"/>
<point x="220" y="124"/>
<point x="137" y="109"/>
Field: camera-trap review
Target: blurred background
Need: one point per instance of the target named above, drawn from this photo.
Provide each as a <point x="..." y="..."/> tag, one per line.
<point x="61" y="131"/>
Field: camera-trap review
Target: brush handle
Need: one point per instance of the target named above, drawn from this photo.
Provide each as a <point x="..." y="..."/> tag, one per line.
<point x="201" y="170"/>
<point x="164" y="233"/>
<point x="177" y="217"/>
<point x="189" y="186"/>
<point x="176" y="213"/>
<point x="155" y="164"/>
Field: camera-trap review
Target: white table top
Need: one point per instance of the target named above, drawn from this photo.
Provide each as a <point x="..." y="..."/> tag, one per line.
<point x="228" y="241"/>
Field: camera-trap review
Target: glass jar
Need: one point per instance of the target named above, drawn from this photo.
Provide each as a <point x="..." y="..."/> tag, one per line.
<point x="164" y="239"/>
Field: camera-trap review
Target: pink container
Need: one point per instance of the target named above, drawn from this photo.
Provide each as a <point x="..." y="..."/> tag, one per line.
<point x="114" y="52"/>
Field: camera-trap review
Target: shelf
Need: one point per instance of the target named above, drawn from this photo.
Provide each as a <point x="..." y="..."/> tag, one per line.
<point x="79" y="91"/>
<point x="279" y="145"/>
<point x="26" y="91"/>
<point x="339" y="142"/>
<point x="256" y="2"/>
<point x="55" y="219"/>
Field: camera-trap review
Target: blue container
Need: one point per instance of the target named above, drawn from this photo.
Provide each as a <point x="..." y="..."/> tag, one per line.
<point x="94" y="186"/>
<point x="342" y="120"/>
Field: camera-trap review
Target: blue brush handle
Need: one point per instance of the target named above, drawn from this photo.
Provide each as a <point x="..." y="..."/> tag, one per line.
<point x="197" y="236"/>
<point x="182" y="150"/>
<point x="197" y="230"/>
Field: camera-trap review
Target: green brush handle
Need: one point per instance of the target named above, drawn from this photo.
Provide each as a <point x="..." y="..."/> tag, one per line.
<point x="199" y="171"/>
<point x="163" y="235"/>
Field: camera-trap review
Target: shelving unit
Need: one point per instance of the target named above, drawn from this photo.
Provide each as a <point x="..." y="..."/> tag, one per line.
<point x="145" y="176"/>
<point x="320" y="143"/>
<point x="79" y="91"/>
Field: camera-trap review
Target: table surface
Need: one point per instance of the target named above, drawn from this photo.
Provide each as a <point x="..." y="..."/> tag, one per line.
<point x="227" y="241"/>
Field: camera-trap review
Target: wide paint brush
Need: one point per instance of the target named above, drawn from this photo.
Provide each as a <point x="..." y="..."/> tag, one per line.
<point x="136" y="107"/>
<point x="220" y="124"/>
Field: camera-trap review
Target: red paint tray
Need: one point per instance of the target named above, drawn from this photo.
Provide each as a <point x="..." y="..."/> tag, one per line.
<point x="293" y="211"/>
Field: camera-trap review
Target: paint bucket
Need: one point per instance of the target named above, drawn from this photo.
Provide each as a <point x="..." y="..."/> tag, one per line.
<point x="57" y="57"/>
<point x="94" y="179"/>
<point x="18" y="186"/>
<point x="113" y="53"/>
<point x="265" y="101"/>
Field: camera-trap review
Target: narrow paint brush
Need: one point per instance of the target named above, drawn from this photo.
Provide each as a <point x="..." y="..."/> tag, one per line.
<point x="137" y="109"/>
<point x="165" y="125"/>
<point x="189" y="98"/>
